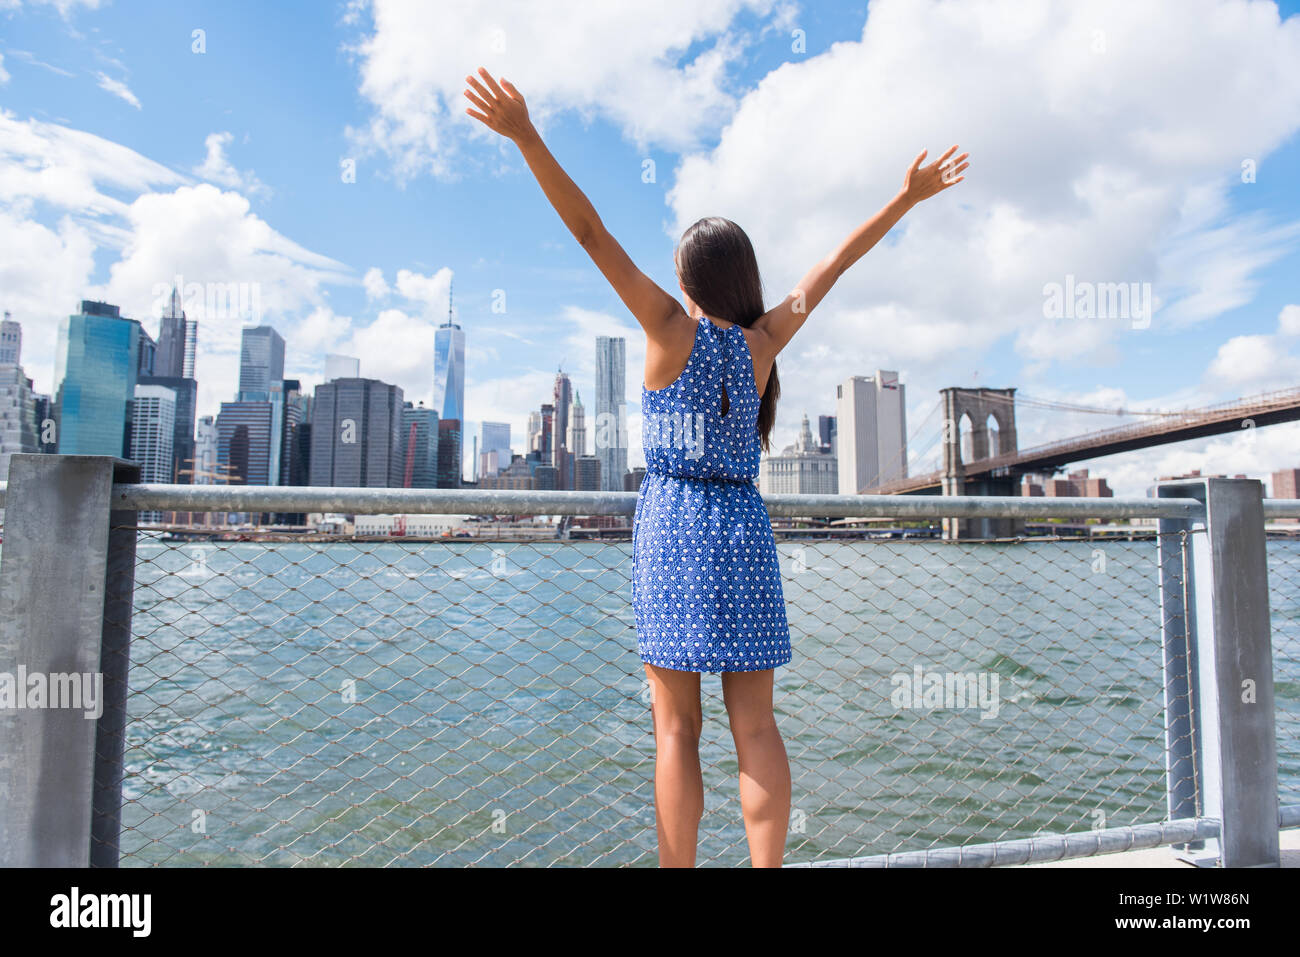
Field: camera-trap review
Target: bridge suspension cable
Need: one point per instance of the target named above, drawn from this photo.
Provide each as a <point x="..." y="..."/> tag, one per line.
<point x="910" y="439"/>
<point x="1025" y="399"/>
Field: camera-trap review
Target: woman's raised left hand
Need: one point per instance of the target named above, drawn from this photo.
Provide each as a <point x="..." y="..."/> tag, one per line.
<point x="500" y="110"/>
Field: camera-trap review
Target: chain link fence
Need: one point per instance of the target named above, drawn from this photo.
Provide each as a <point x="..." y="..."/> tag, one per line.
<point x="469" y="702"/>
<point x="1284" y="608"/>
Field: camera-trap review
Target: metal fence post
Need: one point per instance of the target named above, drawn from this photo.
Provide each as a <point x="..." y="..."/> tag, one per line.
<point x="1229" y="662"/>
<point x="1177" y="622"/>
<point x="115" y="661"/>
<point x="55" y="583"/>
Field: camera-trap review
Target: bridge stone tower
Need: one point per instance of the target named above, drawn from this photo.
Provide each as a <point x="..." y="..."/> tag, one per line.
<point x="976" y="406"/>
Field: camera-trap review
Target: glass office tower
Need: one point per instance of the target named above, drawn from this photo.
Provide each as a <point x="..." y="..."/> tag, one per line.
<point x="94" y="380"/>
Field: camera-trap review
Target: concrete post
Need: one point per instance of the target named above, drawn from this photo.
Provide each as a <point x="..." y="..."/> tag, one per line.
<point x="56" y="583"/>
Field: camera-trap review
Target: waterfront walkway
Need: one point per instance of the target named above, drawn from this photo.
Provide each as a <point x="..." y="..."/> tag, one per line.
<point x="1164" y="857"/>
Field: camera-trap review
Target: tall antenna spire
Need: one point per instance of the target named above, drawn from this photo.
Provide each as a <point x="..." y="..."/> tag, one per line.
<point x="451" y="288"/>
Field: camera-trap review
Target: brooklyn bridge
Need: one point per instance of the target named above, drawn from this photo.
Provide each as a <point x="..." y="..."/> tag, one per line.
<point x="981" y="455"/>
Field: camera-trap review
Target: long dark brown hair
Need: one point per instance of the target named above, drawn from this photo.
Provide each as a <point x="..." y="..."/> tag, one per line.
<point x="717" y="268"/>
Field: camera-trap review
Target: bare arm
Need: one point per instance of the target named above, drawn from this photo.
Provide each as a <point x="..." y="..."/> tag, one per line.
<point x="778" y="326"/>
<point x="505" y="112"/>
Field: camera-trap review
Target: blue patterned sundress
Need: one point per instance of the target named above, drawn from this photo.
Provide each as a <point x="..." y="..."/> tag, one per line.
<point x="706" y="581"/>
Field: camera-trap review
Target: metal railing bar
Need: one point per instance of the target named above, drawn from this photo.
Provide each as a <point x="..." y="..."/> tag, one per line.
<point x="374" y="501"/>
<point x="1054" y="847"/>
<point x="377" y="501"/>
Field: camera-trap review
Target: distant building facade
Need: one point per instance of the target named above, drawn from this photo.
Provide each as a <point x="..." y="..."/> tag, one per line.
<point x="1078" y="484"/>
<point x="610" y="426"/>
<point x="244" y="442"/>
<point x="356" y="434"/>
<point x="871" y="431"/>
<point x="95" y="373"/>
<point x="801" y="469"/>
<point x="420" y="435"/>
<point x="153" y="430"/>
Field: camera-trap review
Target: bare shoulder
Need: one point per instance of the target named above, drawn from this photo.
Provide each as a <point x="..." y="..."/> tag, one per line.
<point x="669" y="350"/>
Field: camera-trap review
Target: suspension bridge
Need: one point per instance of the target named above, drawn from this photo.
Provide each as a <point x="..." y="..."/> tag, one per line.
<point x="981" y="460"/>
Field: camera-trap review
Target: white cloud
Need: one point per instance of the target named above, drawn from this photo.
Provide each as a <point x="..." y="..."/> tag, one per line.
<point x="430" y="292"/>
<point x="1258" y="363"/>
<point x="216" y="168"/>
<point x="616" y="61"/>
<point x="71" y="169"/>
<point x="1105" y="166"/>
<point x="376" y="285"/>
<point x="321" y="331"/>
<point x="209" y="237"/>
<point x="396" y="347"/>
<point x="152" y="226"/>
<point x="4" y="74"/>
<point x="1288" y="321"/>
<point x="43" y="272"/>
<point x="27" y="56"/>
<point x="118" y="89"/>
<point x="46" y="265"/>
<point x="64" y="7"/>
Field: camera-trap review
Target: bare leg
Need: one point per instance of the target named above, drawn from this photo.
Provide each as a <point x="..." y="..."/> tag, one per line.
<point x="764" y="768"/>
<point x="679" y="785"/>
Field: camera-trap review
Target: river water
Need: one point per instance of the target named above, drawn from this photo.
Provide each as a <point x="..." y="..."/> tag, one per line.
<point x="475" y="703"/>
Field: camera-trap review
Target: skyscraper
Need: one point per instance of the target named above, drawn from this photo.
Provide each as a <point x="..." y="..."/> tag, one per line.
<point x="586" y="473"/>
<point x="191" y="347"/>
<point x="826" y="431"/>
<point x="295" y="456"/>
<point x="356" y="434"/>
<point x="244" y="442"/>
<point x="261" y="380"/>
<point x="495" y="435"/>
<point x="586" y="468"/>
<point x="206" y="453"/>
<point x="546" y="440"/>
<point x="295" y="444"/>
<point x="561" y="454"/>
<point x="449" y="368"/>
<point x="494" y="448"/>
<point x="342" y="367"/>
<point x="419" y="446"/>
<point x="94" y="380"/>
<point x="185" y="394"/>
<point x="261" y="363"/>
<point x="534" y="441"/>
<point x="871" y="432"/>
<point x="576" y="440"/>
<point x="145" y="353"/>
<point x="11" y="341"/>
<point x="19" y="428"/>
<point x="173" y="339"/>
<point x="450" y="469"/>
<point x="610" y="426"/>
<point x="153" y="427"/>
<point x="173" y="368"/>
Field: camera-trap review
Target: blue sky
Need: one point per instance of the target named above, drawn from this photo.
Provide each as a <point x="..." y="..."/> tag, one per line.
<point x="1106" y="143"/>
